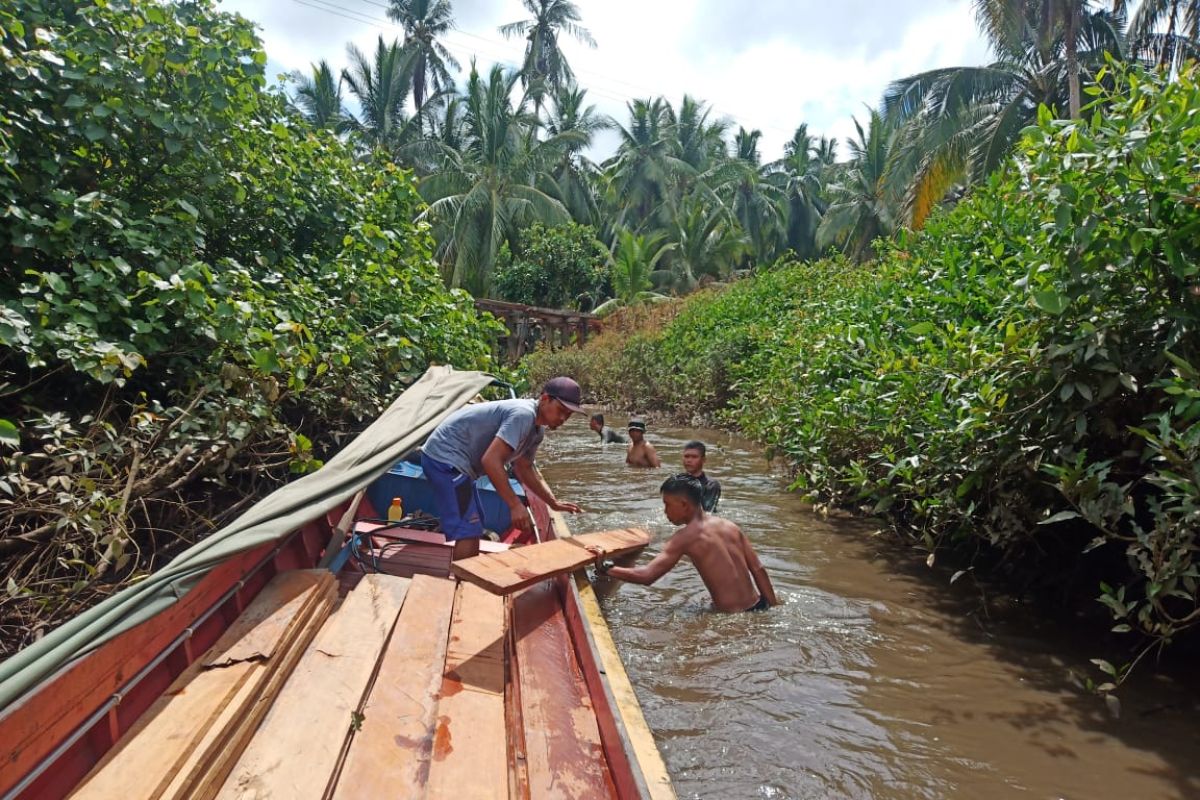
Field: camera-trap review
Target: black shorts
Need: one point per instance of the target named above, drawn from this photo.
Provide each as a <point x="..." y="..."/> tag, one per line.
<point x="761" y="605"/>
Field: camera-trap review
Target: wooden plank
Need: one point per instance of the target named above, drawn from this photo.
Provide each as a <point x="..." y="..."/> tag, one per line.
<point x="296" y="750"/>
<point x="216" y="760"/>
<point x="564" y="755"/>
<point x="380" y="530"/>
<point x="395" y="743"/>
<point x="36" y="723"/>
<point x="162" y="738"/>
<point x="627" y="737"/>
<point x="470" y="759"/>
<point x="505" y="573"/>
<point x="213" y="755"/>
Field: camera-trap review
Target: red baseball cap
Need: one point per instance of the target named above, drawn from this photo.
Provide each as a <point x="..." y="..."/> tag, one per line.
<point x="565" y="391"/>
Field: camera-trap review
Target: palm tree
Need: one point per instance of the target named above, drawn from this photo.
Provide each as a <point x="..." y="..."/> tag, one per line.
<point x="707" y="243"/>
<point x="633" y="261"/>
<point x="753" y="199"/>
<point x="1043" y="23"/>
<point x="381" y="87"/>
<point x="423" y="22"/>
<point x="319" y="98"/>
<point x="959" y="123"/>
<point x="697" y="142"/>
<point x="1165" y="32"/>
<point x="862" y="206"/>
<point x="575" y="177"/>
<point x="484" y="192"/>
<point x="645" y="165"/>
<point x="545" y="66"/>
<point x="802" y="174"/>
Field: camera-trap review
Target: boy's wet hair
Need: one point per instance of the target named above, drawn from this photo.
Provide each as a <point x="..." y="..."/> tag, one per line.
<point x="598" y="418"/>
<point x="683" y="485"/>
<point x="696" y="444"/>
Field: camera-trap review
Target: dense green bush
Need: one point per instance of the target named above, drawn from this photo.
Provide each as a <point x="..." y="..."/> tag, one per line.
<point x="563" y="266"/>
<point x="197" y="286"/>
<point x="1017" y="381"/>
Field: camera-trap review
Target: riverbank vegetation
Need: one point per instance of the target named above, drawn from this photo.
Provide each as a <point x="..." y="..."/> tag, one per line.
<point x="1016" y="386"/>
<point x="200" y="294"/>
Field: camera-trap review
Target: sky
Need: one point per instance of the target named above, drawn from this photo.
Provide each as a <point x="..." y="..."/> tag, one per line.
<point x="765" y="64"/>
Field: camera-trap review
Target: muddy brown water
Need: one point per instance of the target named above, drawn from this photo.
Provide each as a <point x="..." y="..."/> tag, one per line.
<point x="873" y="680"/>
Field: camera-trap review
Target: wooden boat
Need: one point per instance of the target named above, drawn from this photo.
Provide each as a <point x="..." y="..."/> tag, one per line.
<point x="568" y="722"/>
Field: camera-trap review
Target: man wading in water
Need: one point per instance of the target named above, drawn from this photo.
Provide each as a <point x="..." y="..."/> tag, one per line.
<point x="607" y="434"/>
<point x="640" y="453"/>
<point x="483" y="439"/>
<point x="719" y="551"/>
<point x="693" y="464"/>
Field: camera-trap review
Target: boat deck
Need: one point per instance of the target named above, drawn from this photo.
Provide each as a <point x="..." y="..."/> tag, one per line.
<point x="418" y="682"/>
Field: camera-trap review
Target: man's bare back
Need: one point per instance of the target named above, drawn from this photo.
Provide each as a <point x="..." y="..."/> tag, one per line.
<point x="717" y="548"/>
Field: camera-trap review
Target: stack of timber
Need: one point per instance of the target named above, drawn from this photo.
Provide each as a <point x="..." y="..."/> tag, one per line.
<point x="189" y="735"/>
<point x="410" y="688"/>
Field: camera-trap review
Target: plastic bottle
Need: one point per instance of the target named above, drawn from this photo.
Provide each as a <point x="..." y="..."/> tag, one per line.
<point x="396" y="510"/>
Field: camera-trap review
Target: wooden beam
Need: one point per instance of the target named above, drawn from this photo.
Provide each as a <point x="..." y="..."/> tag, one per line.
<point x="470" y="752"/>
<point x="393" y="747"/>
<point x="627" y="736"/>
<point x="505" y="573"/>
<point x="297" y="750"/>
<point x="564" y="756"/>
<point x="159" y="747"/>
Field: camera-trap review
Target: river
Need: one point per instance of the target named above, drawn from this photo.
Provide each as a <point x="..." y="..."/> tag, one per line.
<point x="874" y="679"/>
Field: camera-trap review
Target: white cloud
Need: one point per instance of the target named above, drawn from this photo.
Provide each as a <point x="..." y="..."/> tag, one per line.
<point x="791" y="62"/>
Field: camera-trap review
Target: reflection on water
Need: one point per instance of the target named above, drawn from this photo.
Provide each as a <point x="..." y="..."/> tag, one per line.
<point x="872" y="681"/>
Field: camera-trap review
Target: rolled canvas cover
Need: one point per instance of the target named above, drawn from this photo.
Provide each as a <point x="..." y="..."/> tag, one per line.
<point x="403" y="426"/>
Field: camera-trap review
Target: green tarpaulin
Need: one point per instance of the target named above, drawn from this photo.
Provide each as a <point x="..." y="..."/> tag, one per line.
<point x="400" y="428"/>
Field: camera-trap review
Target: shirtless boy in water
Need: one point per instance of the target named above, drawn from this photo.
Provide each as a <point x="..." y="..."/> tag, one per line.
<point x="718" y="549"/>
<point x="640" y="453"/>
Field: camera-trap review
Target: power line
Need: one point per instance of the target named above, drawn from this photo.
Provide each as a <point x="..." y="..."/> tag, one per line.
<point x="611" y="94"/>
<point x="594" y="76"/>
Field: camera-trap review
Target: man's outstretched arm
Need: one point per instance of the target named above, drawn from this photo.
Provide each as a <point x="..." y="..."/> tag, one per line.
<point x="647" y="574"/>
<point x="762" y="581"/>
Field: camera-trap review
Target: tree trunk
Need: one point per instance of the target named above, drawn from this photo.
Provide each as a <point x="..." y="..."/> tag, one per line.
<point x="1074" y="10"/>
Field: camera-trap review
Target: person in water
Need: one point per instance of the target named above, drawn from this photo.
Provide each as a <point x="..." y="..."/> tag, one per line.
<point x="640" y="453"/>
<point x="694" y="453"/>
<point x="607" y="434"/>
<point x="718" y="549"/>
<point x="483" y="439"/>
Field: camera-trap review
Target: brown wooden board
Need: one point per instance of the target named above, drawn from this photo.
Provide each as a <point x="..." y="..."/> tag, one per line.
<point x="297" y="748"/>
<point x="157" y="747"/>
<point x="564" y="756"/>
<point x="505" y="573"/>
<point x="214" y="753"/>
<point x="470" y="751"/>
<point x="34" y="724"/>
<point x="393" y="747"/>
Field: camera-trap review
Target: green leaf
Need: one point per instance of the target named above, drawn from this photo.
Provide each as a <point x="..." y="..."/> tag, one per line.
<point x="94" y="131"/>
<point x="1051" y="301"/>
<point x="9" y="434"/>
<point x="1061" y="516"/>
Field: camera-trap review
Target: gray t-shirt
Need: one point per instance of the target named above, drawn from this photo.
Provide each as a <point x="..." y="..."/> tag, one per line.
<point x="464" y="436"/>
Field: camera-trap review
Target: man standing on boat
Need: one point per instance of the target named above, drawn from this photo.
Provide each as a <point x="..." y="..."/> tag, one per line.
<point x="483" y="439"/>
<point x="694" y="453"/>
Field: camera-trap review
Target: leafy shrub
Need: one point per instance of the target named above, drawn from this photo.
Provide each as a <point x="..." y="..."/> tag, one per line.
<point x="563" y="266"/>
<point x="1019" y="380"/>
<point x="198" y="287"/>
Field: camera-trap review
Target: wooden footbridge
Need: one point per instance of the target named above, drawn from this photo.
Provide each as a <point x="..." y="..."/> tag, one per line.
<point x="529" y="326"/>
